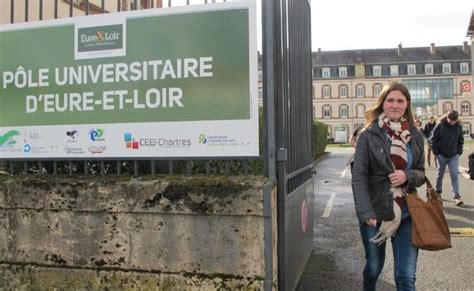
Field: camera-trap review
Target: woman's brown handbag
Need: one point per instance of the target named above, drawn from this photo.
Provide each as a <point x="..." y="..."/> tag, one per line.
<point x="429" y="226"/>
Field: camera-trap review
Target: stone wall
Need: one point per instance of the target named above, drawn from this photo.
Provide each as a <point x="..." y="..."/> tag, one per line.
<point x="108" y="232"/>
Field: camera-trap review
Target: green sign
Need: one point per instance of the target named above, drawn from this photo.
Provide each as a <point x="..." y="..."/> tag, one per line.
<point x="183" y="67"/>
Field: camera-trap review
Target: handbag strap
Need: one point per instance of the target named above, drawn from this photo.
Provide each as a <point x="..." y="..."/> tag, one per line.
<point x="430" y="192"/>
<point x="428" y="183"/>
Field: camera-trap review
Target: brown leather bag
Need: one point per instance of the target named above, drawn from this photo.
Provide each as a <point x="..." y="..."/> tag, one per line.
<point x="430" y="229"/>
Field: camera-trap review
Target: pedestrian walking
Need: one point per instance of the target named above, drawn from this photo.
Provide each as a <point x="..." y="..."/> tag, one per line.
<point x="427" y="130"/>
<point x="447" y="142"/>
<point x="353" y="142"/>
<point x="419" y="125"/>
<point x="389" y="160"/>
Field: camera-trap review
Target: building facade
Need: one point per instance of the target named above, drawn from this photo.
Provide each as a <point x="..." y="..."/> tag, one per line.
<point x="347" y="83"/>
<point x="18" y="11"/>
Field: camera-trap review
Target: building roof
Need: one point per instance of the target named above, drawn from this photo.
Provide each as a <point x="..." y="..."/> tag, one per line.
<point x="470" y="29"/>
<point x="383" y="56"/>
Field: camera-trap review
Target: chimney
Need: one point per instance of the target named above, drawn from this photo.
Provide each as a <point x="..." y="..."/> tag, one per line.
<point x="400" y="49"/>
<point x="432" y="48"/>
<point x="465" y="47"/>
<point x="319" y="49"/>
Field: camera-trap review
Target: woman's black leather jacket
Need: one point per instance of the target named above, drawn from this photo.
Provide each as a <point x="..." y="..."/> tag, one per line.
<point x="372" y="165"/>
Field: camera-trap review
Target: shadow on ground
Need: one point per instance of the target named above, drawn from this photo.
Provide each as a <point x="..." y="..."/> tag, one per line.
<point x="322" y="273"/>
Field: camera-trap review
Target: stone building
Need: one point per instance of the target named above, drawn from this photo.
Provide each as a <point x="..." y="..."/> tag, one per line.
<point x="346" y="83"/>
<point x="23" y="11"/>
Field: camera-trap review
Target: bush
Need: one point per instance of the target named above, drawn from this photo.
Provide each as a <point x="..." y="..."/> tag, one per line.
<point x="320" y="133"/>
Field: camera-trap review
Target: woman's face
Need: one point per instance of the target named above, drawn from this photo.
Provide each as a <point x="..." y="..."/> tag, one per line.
<point x="395" y="105"/>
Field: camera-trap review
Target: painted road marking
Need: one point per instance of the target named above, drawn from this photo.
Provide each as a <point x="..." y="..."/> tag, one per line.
<point x="344" y="172"/>
<point x="463" y="172"/>
<point x="328" y="209"/>
<point x="466" y="231"/>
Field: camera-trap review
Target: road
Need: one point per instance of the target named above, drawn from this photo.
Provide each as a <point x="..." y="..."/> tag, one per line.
<point x="337" y="260"/>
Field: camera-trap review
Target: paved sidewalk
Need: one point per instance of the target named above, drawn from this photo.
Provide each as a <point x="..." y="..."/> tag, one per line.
<point x="337" y="259"/>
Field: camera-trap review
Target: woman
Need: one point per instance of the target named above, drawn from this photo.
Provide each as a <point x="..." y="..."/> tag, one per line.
<point x="388" y="162"/>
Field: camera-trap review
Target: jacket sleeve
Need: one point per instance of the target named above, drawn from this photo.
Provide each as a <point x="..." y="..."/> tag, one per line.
<point x="360" y="182"/>
<point x="416" y="174"/>
<point x="435" y="140"/>
<point x="460" y="141"/>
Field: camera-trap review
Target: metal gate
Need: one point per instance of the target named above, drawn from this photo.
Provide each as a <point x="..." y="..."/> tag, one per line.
<point x="287" y="88"/>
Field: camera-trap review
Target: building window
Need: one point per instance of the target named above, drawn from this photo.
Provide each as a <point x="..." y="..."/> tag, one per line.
<point x="326" y="91"/>
<point x="464" y="68"/>
<point x="343" y="111"/>
<point x="377" y="71"/>
<point x="343" y="91"/>
<point x="342" y="72"/>
<point x="465" y="108"/>
<point x="426" y="93"/>
<point x="260" y="75"/>
<point x="360" y="91"/>
<point x="260" y="94"/>
<point x="377" y="89"/>
<point x="326" y="111"/>
<point x="466" y="130"/>
<point x="393" y="70"/>
<point x="447" y="68"/>
<point x="411" y="70"/>
<point x="314" y="91"/>
<point x="429" y="69"/>
<point x="326" y="72"/>
<point x="360" y="110"/>
<point x="447" y="106"/>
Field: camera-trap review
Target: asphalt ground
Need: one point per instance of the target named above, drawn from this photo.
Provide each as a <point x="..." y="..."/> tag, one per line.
<point x="337" y="259"/>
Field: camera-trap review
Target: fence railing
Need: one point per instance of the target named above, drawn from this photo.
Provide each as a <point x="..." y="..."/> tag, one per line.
<point x="134" y="167"/>
<point x="35" y="9"/>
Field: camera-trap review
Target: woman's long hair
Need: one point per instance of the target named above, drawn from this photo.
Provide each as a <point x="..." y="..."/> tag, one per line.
<point x="372" y="114"/>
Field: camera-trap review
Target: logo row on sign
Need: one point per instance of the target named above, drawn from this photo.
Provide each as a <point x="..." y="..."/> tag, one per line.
<point x="10" y="142"/>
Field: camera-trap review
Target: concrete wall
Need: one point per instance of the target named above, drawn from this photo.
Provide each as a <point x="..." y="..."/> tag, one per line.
<point x="107" y="232"/>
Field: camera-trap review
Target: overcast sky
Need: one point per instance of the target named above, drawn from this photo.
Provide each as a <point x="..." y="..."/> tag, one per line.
<point x="365" y="24"/>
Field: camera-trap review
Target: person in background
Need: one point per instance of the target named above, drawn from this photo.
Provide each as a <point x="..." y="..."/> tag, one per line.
<point x="427" y="130"/>
<point x="353" y="142"/>
<point x="353" y="139"/>
<point x="389" y="160"/>
<point x="419" y="125"/>
<point x="447" y="142"/>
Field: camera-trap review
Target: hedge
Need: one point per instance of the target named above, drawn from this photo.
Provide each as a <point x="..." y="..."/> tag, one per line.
<point x="320" y="133"/>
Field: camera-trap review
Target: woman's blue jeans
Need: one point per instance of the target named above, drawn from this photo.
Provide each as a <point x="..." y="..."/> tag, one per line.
<point x="405" y="256"/>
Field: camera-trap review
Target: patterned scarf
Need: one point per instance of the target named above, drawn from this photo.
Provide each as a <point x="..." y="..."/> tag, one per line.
<point x="399" y="133"/>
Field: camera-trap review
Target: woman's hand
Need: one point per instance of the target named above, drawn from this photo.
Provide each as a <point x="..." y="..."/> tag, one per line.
<point x="398" y="178"/>
<point x="371" y="222"/>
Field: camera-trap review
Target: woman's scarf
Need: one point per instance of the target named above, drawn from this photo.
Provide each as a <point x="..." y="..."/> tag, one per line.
<point x="399" y="133"/>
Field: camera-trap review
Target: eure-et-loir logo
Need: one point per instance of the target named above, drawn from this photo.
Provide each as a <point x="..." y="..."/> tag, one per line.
<point x="99" y="38"/>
